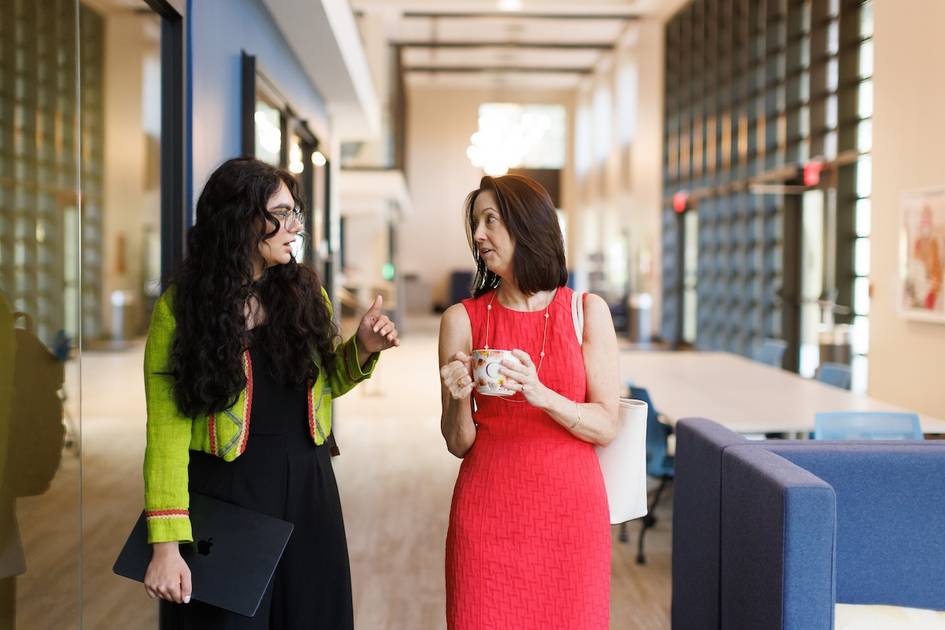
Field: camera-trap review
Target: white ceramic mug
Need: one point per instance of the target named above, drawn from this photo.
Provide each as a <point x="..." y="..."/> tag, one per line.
<point x="487" y="365"/>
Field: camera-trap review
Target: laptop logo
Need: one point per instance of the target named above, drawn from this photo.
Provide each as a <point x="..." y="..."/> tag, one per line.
<point x="203" y="546"/>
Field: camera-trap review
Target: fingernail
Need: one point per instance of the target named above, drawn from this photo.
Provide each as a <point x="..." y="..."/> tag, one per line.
<point x="187" y="599"/>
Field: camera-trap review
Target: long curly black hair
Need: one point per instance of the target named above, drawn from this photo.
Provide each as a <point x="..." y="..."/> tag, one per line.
<point x="215" y="280"/>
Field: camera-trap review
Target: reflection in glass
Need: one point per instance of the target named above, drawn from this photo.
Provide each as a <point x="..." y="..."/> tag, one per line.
<point x="68" y="258"/>
<point x="296" y="165"/>
<point x="268" y="121"/>
<point x="41" y="307"/>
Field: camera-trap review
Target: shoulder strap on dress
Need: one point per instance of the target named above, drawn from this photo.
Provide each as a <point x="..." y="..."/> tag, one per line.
<point x="577" y="315"/>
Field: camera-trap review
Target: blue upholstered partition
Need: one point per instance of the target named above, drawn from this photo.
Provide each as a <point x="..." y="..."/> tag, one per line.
<point x="696" y="519"/>
<point x="752" y="521"/>
<point x="778" y="524"/>
<point x="890" y="518"/>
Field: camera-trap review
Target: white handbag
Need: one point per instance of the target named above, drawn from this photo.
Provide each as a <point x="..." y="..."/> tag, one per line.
<point x="623" y="461"/>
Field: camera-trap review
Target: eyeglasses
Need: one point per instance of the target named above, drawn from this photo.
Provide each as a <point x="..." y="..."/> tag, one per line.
<point x="286" y="216"/>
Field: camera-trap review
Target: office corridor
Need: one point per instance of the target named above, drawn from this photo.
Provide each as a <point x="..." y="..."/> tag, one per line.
<point x="396" y="480"/>
<point x="395" y="477"/>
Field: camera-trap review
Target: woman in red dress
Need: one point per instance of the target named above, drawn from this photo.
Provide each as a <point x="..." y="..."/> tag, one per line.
<point x="529" y="536"/>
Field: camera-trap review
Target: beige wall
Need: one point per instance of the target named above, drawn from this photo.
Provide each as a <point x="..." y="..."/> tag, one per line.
<point x="646" y="166"/>
<point x="908" y="135"/>
<point x="620" y="195"/>
<point x="129" y="206"/>
<point x="439" y="176"/>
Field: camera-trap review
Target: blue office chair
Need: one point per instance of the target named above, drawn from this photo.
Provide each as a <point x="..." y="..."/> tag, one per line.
<point x="836" y="374"/>
<point x="867" y="425"/>
<point x="771" y="352"/>
<point x="659" y="465"/>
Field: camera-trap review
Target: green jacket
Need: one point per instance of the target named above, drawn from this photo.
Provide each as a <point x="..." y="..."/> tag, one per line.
<point x="171" y="435"/>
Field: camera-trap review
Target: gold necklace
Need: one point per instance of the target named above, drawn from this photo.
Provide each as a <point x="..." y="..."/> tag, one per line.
<point x="544" y="333"/>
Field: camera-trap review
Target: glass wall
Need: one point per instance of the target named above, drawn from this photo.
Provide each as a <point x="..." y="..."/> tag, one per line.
<point x="755" y="89"/>
<point x="42" y="303"/>
<point x="81" y="108"/>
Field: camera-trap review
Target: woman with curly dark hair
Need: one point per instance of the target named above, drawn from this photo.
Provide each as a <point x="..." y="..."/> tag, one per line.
<point x="241" y="363"/>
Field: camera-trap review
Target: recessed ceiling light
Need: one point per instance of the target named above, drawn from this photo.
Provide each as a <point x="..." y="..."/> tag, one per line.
<point x="510" y="5"/>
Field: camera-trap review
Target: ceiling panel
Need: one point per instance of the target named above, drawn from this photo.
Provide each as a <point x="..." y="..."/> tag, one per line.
<point x="500" y="56"/>
<point x="510" y="80"/>
<point x="598" y="24"/>
<point x="534" y="6"/>
<point x="505" y="30"/>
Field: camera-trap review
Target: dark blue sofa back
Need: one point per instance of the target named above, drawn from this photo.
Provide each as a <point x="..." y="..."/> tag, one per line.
<point x="699" y="447"/>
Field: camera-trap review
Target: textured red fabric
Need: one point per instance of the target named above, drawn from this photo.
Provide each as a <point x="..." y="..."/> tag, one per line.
<point x="529" y="536"/>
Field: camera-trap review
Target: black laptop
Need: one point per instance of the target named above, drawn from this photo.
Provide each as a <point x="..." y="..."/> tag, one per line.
<point x="232" y="559"/>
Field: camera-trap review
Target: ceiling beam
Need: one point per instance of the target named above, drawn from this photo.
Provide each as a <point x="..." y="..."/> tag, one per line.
<point x="505" y="44"/>
<point x="519" y="15"/>
<point x="497" y="69"/>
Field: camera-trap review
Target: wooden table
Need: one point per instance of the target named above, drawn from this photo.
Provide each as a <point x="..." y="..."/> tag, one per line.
<point x="743" y="395"/>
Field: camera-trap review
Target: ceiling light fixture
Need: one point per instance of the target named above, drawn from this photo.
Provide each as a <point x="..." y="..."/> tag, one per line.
<point x="510" y="5"/>
<point x="506" y="134"/>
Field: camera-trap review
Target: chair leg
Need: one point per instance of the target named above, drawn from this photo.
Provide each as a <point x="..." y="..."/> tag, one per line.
<point x="649" y="520"/>
<point x="623" y="536"/>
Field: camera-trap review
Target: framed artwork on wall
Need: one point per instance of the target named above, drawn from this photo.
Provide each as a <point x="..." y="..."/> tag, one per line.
<point x="922" y="255"/>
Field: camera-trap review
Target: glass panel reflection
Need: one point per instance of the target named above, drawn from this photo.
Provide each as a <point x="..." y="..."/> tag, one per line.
<point x="268" y="120"/>
<point x="41" y="303"/>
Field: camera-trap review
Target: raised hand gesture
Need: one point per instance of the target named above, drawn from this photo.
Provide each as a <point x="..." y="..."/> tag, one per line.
<point x="376" y="332"/>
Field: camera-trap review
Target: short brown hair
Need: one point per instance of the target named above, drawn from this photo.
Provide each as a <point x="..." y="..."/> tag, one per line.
<point x="529" y="215"/>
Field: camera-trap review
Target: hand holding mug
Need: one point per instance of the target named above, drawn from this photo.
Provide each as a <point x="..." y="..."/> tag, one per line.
<point x="522" y="376"/>
<point x="456" y="376"/>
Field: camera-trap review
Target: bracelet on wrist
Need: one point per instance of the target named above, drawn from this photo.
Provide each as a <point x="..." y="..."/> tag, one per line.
<point x="577" y="416"/>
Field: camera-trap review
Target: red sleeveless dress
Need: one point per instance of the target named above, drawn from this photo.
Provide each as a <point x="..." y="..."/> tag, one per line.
<point x="528" y="545"/>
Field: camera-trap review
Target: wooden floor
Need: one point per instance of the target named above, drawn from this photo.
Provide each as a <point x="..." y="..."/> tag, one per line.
<point x="395" y="477"/>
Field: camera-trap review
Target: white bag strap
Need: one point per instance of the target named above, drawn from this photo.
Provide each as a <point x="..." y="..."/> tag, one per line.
<point x="577" y="315"/>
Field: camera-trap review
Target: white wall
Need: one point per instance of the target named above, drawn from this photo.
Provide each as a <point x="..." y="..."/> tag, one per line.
<point x="908" y="135"/>
<point x="619" y="196"/>
<point x="439" y="175"/>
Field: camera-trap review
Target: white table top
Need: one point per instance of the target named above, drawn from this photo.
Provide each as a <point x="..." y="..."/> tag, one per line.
<point x="743" y="395"/>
